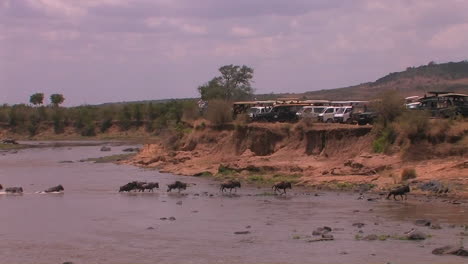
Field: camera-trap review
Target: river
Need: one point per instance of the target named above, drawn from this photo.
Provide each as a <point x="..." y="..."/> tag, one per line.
<point x="93" y="223"/>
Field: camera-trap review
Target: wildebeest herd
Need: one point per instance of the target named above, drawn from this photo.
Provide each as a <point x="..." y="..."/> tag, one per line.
<point x="58" y="188"/>
<point x="230" y="184"/>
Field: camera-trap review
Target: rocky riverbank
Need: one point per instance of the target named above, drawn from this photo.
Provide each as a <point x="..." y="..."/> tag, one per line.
<point x="329" y="156"/>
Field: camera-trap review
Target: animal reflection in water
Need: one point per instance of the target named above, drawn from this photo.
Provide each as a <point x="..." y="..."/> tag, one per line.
<point x="401" y="191"/>
<point x="231" y="184"/>
<point x="177" y="185"/>
<point x="282" y="186"/>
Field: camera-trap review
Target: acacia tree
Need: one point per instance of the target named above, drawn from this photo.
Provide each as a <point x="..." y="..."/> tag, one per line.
<point x="37" y="99"/>
<point x="233" y="84"/>
<point x="57" y="99"/>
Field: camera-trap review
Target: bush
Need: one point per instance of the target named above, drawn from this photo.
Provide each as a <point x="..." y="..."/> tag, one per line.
<point x="88" y="130"/>
<point x="33" y="126"/>
<point x="219" y="112"/>
<point x="389" y="106"/>
<point x="59" y="126"/>
<point x="384" y="140"/>
<point x="414" y="125"/>
<point x="106" y="124"/>
<point x="408" y="173"/>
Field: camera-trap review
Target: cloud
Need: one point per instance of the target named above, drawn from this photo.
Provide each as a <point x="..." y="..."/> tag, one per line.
<point x="144" y="47"/>
<point x="453" y="37"/>
<point x="242" y="31"/>
<point x="71" y="8"/>
<point x="180" y="24"/>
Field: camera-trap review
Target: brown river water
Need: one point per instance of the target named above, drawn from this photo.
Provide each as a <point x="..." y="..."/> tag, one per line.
<point x="93" y="223"/>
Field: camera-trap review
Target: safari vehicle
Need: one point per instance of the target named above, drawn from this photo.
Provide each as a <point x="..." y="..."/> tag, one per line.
<point x="280" y="113"/>
<point x="328" y="114"/>
<point x="310" y="111"/>
<point x="343" y="115"/>
<point x="365" y="118"/>
<point x="254" y="111"/>
<point x="445" y="104"/>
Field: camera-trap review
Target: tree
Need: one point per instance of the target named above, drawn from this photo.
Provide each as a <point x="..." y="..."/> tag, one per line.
<point x="233" y="84"/>
<point x="57" y="99"/>
<point x="36" y="99"/>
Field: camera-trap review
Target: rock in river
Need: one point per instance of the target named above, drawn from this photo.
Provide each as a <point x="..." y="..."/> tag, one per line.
<point x="416" y="235"/>
<point x="451" y="250"/>
<point x="105" y="148"/>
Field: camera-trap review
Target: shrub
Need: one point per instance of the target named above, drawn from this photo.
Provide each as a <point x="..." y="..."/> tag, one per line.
<point x="219" y="112"/>
<point x="190" y="112"/>
<point x="408" y="173"/>
<point x="33" y="126"/>
<point x="384" y="140"/>
<point x="59" y="126"/>
<point x="106" y="124"/>
<point x="389" y="106"/>
<point x="414" y="125"/>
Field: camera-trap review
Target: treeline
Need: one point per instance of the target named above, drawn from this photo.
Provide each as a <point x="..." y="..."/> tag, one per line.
<point x="88" y="120"/>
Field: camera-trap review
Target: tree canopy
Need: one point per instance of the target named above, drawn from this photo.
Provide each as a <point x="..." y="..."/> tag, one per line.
<point x="57" y="99"/>
<point x="232" y="84"/>
<point x="37" y="99"/>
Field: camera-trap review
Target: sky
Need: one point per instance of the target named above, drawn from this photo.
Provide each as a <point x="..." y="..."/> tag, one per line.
<point x="96" y="51"/>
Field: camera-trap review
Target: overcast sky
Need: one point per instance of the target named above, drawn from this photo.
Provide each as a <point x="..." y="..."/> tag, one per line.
<point x="96" y="51"/>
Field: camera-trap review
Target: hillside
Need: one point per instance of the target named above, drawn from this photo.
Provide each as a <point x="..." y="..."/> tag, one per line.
<point x="452" y="76"/>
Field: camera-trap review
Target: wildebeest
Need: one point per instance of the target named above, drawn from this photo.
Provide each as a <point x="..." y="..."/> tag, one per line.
<point x="132" y="186"/>
<point x="1" y="187"/>
<point x="149" y="186"/>
<point x="57" y="188"/>
<point x="282" y="186"/>
<point x="177" y="185"/>
<point x="10" y="141"/>
<point x="232" y="184"/>
<point x="128" y="187"/>
<point x="14" y="190"/>
<point x="402" y="190"/>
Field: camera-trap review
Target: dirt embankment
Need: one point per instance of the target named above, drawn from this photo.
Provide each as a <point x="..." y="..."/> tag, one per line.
<point x="331" y="155"/>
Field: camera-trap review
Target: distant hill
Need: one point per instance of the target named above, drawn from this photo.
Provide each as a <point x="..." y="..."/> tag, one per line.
<point x="452" y="76"/>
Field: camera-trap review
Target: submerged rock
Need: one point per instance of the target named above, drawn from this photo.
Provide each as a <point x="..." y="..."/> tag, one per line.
<point x="371" y="237"/>
<point x="417" y="235"/>
<point x="242" y="232"/>
<point x="105" y="148"/>
<point x="359" y="225"/>
<point x="321" y="231"/>
<point x="451" y="250"/>
<point x="422" y="222"/>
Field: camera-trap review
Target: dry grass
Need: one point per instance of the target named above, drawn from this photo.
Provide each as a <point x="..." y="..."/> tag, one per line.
<point x="408" y="173"/>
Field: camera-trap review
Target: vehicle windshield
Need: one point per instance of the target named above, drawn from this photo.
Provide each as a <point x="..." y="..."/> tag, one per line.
<point x="318" y="110"/>
<point x="340" y="111"/>
<point x="254" y="110"/>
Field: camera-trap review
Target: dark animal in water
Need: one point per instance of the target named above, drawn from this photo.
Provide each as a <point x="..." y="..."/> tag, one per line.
<point x="139" y="186"/>
<point x="57" y="188"/>
<point x="149" y="186"/>
<point x="282" y="186"/>
<point x="133" y="186"/>
<point x="177" y="185"/>
<point x="9" y="141"/>
<point x="1" y="187"/>
<point x="399" y="191"/>
<point x="14" y="190"/>
<point x="232" y="184"/>
<point x="128" y="187"/>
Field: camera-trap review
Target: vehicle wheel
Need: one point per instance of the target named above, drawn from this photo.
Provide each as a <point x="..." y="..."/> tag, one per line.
<point x="329" y="120"/>
<point x="349" y="121"/>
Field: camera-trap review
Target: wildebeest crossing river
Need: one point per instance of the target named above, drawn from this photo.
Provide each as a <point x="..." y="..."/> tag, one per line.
<point x="93" y="223"/>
